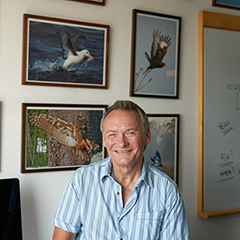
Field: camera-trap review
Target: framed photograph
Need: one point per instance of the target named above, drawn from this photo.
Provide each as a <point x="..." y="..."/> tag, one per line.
<point x="97" y="2"/>
<point x="162" y="151"/>
<point x="64" y="53"/>
<point x="155" y="55"/>
<point x="58" y="137"/>
<point x="234" y="4"/>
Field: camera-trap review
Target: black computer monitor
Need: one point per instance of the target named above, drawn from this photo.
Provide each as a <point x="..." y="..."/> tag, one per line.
<point x="10" y="210"/>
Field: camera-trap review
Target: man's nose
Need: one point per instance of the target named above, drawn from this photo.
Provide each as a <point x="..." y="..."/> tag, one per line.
<point x="122" y="140"/>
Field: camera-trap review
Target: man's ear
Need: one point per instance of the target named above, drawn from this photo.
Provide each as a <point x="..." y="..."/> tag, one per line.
<point x="148" y="137"/>
<point x="103" y="141"/>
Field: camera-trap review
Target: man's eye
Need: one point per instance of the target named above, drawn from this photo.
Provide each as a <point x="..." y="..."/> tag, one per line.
<point x="130" y="134"/>
<point x="112" y="135"/>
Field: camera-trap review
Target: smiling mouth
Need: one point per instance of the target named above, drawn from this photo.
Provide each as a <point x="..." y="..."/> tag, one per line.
<point x="123" y="151"/>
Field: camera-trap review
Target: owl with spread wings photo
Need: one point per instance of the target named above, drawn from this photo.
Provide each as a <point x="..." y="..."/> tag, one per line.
<point x="64" y="137"/>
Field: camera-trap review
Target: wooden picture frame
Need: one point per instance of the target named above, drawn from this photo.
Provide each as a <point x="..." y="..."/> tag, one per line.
<point x="163" y="150"/>
<point x="218" y="115"/>
<point x="233" y="4"/>
<point x="52" y="57"/>
<point x="155" y="68"/>
<point x="58" y="137"/>
<point x="96" y="2"/>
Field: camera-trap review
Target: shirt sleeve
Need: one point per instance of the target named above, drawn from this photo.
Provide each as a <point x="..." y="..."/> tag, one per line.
<point x="67" y="216"/>
<point x="175" y="225"/>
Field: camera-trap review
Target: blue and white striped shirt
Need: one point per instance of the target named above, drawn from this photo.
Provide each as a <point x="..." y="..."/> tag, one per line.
<point x="92" y="206"/>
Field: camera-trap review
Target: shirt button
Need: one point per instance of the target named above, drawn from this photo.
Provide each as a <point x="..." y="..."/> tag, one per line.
<point x="118" y="194"/>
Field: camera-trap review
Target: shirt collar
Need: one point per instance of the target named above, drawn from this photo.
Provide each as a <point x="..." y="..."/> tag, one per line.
<point x="107" y="170"/>
<point x="145" y="176"/>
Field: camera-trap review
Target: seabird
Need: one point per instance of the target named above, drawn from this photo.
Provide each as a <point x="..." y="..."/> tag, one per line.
<point x="70" y="55"/>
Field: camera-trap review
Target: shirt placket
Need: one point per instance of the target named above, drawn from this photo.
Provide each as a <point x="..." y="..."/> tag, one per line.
<point x="122" y="219"/>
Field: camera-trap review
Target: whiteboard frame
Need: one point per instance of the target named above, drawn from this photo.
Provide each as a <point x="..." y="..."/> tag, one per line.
<point x="214" y="21"/>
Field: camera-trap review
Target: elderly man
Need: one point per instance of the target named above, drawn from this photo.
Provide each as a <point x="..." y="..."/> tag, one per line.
<point x="121" y="197"/>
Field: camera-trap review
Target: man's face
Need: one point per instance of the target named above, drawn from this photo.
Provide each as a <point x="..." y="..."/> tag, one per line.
<point x="124" y="138"/>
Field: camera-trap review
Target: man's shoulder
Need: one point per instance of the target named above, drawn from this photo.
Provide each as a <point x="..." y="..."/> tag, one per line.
<point x="94" y="166"/>
<point x="158" y="176"/>
<point x="90" y="173"/>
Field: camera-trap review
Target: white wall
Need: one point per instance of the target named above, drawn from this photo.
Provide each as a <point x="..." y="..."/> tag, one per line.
<point x="41" y="192"/>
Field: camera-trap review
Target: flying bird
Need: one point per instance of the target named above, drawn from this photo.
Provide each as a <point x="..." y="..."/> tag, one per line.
<point x="72" y="135"/>
<point x="70" y="55"/>
<point x="159" y="48"/>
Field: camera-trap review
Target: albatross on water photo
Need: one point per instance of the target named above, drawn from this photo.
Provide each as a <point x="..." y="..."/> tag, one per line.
<point x="64" y="53"/>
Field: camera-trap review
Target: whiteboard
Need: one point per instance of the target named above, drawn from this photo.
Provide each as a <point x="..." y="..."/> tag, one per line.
<point x="218" y="114"/>
<point x="221" y="120"/>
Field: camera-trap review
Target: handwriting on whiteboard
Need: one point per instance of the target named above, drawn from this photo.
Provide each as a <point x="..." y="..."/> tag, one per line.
<point x="225" y="127"/>
<point x="226" y="167"/>
<point x="235" y="87"/>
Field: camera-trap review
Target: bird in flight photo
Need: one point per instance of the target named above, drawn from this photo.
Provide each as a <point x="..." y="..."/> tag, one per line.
<point x="159" y="48"/>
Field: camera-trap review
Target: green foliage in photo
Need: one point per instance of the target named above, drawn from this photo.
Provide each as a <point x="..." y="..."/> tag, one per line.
<point x="36" y="142"/>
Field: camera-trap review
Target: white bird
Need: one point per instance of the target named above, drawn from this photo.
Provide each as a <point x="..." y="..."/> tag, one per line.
<point x="74" y="59"/>
<point x="70" y="55"/>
